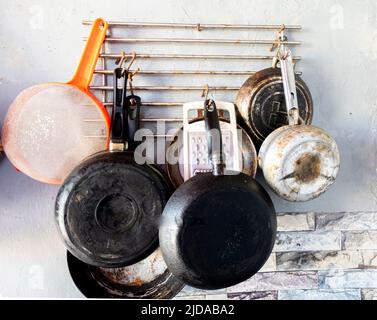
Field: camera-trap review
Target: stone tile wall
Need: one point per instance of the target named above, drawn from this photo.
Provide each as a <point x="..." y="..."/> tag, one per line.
<point x="316" y="256"/>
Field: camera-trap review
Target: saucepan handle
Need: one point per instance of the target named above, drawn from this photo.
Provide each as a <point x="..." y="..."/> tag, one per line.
<point x="214" y="139"/>
<point x="133" y="104"/>
<point x="118" y="130"/>
<point x="85" y="69"/>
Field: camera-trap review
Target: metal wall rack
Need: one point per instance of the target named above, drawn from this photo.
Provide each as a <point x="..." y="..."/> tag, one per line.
<point x="197" y="39"/>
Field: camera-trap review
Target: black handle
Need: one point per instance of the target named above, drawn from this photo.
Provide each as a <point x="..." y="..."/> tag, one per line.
<point x="133" y="104"/>
<point x="118" y="127"/>
<point x="214" y="138"/>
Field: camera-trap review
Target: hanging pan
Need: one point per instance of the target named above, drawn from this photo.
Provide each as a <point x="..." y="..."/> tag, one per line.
<point x="108" y="208"/>
<point x="299" y="162"/>
<point x="237" y="144"/>
<point x="147" y="279"/>
<point x="50" y="128"/>
<point x="261" y="103"/>
<point x="218" y="228"/>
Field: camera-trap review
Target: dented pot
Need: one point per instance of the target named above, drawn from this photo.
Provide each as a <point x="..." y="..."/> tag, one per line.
<point x="261" y="103"/>
<point x="299" y="162"/>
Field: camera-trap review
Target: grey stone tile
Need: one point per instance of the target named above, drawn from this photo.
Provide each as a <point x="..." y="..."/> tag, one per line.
<point x="270" y="264"/>
<point x="308" y="241"/>
<point x="346" y="221"/>
<point x="255" y="295"/>
<point x="348" y="294"/>
<point x="295" y="221"/>
<point x="222" y="296"/>
<point x="270" y="281"/>
<point x="368" y="259"/>
<point x="359" y="240"/>
<point x="319" y="260"/>
<point x="192" y="297"/>
<point x="344" y="279"/>
<point x="369" y="294"/>
<point x="191" y="291"/>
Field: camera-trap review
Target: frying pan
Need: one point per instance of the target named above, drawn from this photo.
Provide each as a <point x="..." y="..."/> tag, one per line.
<point x="147" y="279"/>
<point x="261" y="103"/>
<point x="299" y="161"/>
<point x="247" y="152"/>
<point x="217" y="229"/>
<point x="50" y="128"/>
<point x="107" y="210"/>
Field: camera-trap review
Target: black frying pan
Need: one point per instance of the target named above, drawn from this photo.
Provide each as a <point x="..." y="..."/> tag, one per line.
<point x="108" y="208"/>
<point x="217" y="229"/>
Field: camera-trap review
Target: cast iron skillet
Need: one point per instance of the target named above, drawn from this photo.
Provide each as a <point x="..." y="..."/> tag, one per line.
<point x="217" y="229"/>
<point x="147" y="279"/>
<point x="108" y="208"/>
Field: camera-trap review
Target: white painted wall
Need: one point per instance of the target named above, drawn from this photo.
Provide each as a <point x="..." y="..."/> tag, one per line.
<point x="41" y="41"/>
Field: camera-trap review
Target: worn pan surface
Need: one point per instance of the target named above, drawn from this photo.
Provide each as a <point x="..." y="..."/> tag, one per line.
<point x="217" y="230"/>
<point x="147" y="279"/>
<point x="261" y="103"/>
<point x="108" y="208"/>
<point x="299" y="162"/>
<point x="249" y="163"/>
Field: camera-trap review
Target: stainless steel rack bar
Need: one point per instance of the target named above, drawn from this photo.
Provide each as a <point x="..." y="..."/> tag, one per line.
<point x="197" y="26"/>
<point x="173" y="88"/>
<point x="153" y="104"/>
<point x="192" y="56"/>
<point x="201" y="40"/>
<point x="188" y="72"/>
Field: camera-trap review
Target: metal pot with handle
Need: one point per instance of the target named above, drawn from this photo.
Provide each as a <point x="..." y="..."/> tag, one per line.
<point x="217" y="229"/>
<point x="299" y="162"/>
<point x="261" y="103"/>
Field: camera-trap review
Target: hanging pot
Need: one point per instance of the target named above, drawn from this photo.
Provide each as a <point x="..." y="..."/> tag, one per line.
<point x="261" y="103"/>
<point x="108" y="209"/>
<point x="147" y="279"/>
<point x="217" y="229"/>
<point x="247" y="155"/>
<point x="299" y="162"/>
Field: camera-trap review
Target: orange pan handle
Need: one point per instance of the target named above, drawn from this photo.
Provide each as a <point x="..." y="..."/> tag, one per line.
<point x="88" y="61"/>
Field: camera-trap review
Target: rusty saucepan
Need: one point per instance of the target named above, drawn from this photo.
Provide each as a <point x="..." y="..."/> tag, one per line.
<point x="260" y="102"/>
<point x="299" y="162"/>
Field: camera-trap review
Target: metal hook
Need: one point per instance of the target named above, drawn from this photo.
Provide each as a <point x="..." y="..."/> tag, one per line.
<point x="130" y="79"/>
<point x="205" y="92"/>
<point x="122" y="59"/>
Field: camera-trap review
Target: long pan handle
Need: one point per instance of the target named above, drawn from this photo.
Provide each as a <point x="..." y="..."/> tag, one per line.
<point x="118" y="130"/>
<point x="214" y="138"/>
<point x="88" y="61"/>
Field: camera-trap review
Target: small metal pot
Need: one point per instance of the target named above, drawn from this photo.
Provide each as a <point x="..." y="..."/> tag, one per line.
<point x="261" y="103"/>
<point x="299" y="162"/>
